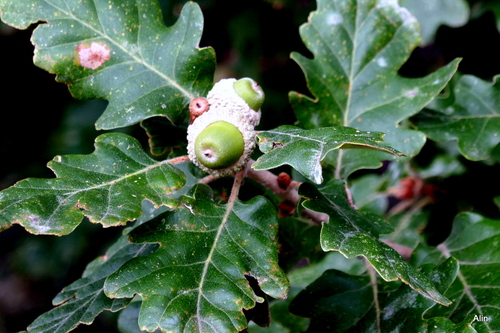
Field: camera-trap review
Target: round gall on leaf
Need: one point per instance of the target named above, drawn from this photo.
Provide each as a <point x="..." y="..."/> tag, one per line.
<point x="219" y="145"/>
<point x="250" y="91"/>
<point x="92" y="56"/>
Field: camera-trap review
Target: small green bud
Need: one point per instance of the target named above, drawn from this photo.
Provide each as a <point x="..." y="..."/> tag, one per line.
<point x="219" y="145"/>
<point x="250" y="91"/>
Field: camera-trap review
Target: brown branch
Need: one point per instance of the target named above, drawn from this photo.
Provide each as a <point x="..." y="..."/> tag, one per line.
<point x="177" y="160"/>
<point x="290" y="194"/>
<point x="207" y="179"/>
<point x="373" y="282"/>
<point x="270" y="181"/>
<point x="238" y="181"/>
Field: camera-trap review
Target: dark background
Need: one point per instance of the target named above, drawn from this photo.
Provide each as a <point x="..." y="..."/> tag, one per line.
<point x="39" y="120"/>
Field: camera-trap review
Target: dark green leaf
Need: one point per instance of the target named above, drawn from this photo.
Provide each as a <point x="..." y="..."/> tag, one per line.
<point x="358" y="47"/>
<point x="483" y="7"/>
<point x="473" y="119"/>
<point x="282" y="320"/>
<point x="304" y="149"/>
<point x="339" y="302"/>
<point x="301" y="277"/>
<point x="298" y="240"/>
<point x="496" y="200"/>
<point x="440" y="325"/>
<point x="476" y="292"/>
<point x="355" y="233"/>
<point x="334" y="302"/>
<point x="164" y="138"/>
<point x="403" y="309"/>
<point x="196" y="280"/>
<point x="108" y="186"/>
<point x="83" y="300"/>
<point x="150" y="70"/>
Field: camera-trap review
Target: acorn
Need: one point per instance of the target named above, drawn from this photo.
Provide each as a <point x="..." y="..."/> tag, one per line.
<point x="222" y="138"/>
<point x="219" y="145"/>
<point x="250" y="91"/>
<point x="243" y="97"/>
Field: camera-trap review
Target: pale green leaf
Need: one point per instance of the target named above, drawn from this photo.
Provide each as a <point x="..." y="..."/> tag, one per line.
<point x="304" y="149"/>
<point x="358" y="47"/>
<point x="442" y="166"/>
<point x="433" y="13"/>
<point x="108" y="186"/>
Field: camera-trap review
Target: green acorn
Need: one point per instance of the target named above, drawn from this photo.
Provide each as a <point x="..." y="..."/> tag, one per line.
<point x="219" y="145"/>
<point x="243" y="97"/>
<point x="222" y="138"/>
<point x="250" y="91"/>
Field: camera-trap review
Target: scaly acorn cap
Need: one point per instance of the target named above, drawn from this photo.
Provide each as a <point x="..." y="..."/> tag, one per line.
<point x="214" y="141"/>
<point x="224" y="95"/>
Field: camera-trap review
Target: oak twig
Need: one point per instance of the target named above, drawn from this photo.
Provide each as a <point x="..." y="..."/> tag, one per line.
<point x="270" y="181"/>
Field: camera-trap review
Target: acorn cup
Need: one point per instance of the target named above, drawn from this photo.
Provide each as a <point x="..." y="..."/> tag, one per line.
<point x="222" y="138"/>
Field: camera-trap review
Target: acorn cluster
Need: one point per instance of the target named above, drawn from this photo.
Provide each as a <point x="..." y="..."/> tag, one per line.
<point x="221" y="136"/>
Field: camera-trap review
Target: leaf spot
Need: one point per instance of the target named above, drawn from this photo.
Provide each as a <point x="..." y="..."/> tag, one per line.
<point x="92" y="56"/>
<point x="405" y="15"/>
<point x="334" y="19"/>
<point x="35" y="223"/>
<point x="278" y="145"/>
<point x="412" y="93"/>
<point x="382" y="62"/>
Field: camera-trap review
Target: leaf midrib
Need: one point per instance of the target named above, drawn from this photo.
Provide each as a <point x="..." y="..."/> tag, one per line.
<point x="75" y="192"/>
<point x="126" y="51"/>
<point x="338" y="166"/>
<point x="208" y="261"/>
